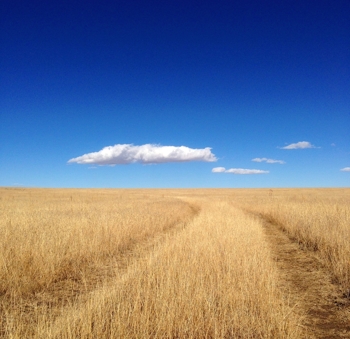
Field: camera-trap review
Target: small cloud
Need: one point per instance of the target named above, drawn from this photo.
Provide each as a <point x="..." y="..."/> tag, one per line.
<point x="333" y="144"/>
<point x="218" y="169"/>
<point x="345" y="169"/>
<point x="145" y="154"/>
<point x="269" y="161"/>
<point x="238" y="171"/>
<point x="299" y="145"/>
<point x="245" y="171"/>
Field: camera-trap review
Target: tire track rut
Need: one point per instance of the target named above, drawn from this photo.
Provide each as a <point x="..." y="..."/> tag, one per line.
<point x="65" y="292"/>
<point x="309" y="286"/>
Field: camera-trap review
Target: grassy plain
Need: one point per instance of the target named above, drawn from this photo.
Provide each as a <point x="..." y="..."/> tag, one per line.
<point x="158" y="263"/>
<point x="318" y="219"/>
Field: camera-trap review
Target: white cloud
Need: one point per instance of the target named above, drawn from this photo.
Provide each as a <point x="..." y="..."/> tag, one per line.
<point x="144" y="154"/>
<point x="238" y="170"/>
<point x="218" y="169"/>
<point x="345" y="169"/>
<point x="299" y="145"/>
<point x="245" y="171"/>
<point x="269" y="161"/>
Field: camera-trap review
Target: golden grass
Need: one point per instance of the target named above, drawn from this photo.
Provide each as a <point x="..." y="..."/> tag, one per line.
<point x="156" y="263"/>
<point x="47" y="237"/>
<point x="57" y="244"/>
<point x="215" y="279"/>
<point x="318" y="220"/>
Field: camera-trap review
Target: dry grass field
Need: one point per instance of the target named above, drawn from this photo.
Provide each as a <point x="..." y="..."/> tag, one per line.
<point x="227" y="263"/>
<point x="317" y="219"/>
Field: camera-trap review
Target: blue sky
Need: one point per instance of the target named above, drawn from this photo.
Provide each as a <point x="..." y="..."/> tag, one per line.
<point x="175" y="93"/>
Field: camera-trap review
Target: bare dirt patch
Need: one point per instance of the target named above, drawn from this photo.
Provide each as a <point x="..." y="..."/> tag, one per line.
<point x="310" y="287"/>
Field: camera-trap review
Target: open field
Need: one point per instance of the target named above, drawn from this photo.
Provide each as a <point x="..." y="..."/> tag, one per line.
<point x="219" y="263"/>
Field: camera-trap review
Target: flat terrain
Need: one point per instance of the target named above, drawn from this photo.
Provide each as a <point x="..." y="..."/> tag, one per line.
<point x="186" y="263"/>
<point x="310" y="286"/>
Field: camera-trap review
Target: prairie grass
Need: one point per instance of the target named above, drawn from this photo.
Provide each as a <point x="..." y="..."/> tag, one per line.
<point x="158" y="263"/>
<point x="57" y="244"/>
<point x="214" y="279"/>
<point x="318" y="219"/>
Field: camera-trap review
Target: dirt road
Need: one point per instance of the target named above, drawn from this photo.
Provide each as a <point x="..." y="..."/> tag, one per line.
<point x="309" y="286"/>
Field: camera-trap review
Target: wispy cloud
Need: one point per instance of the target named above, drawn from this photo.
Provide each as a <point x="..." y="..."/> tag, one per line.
<point x="345" y="169"/>
<point x="245" y="171"/>
<point x="145" y="154"/>
<point x="218" y="169"/>
<point x="238" y="170"/>
<point x="269" y="161"/>
<point x="299" y="145"/>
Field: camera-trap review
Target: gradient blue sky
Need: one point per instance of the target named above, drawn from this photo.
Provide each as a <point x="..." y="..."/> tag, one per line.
<point x="244" y="78"/>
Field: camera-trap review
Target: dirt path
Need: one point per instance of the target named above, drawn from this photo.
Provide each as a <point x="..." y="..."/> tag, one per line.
<point x="65" y="292"/>
<point x="310" y="287"/>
